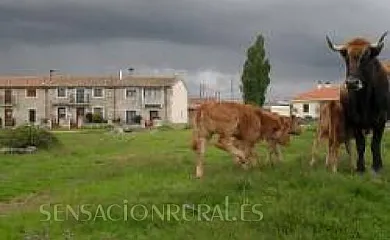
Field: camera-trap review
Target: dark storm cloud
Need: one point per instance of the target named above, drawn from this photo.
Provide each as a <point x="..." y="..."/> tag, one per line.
<point x="196" y="35"/>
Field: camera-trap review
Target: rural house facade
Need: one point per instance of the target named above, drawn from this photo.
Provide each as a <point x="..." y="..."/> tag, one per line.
<point x="307" y="104"/>
<point x="64" y="100"/>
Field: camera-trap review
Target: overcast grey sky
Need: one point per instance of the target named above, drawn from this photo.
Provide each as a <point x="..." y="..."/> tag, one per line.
<point x="206" y="39"/>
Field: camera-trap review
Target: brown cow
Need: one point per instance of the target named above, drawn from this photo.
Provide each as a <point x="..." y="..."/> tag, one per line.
<point x="239" y="126"/>
<point x="331" y="127"/>
<point x="367" y="105"/>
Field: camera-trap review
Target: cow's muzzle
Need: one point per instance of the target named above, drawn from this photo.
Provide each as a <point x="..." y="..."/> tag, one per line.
<point x="353" y="83"/>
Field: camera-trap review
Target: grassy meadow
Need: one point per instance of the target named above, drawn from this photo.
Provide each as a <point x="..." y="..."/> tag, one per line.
<point x="67" y="193"/>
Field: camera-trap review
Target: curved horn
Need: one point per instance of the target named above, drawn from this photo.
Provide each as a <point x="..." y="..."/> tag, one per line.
<point x="380" y="41"/>
<point x="332" y="46"/>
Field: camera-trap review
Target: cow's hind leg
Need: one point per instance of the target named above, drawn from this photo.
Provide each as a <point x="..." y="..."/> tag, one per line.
<point x="334" y="157"/>
<point x="314" y="150"/>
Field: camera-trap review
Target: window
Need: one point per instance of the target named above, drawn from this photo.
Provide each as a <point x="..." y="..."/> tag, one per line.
<point x="130" y="117"/>
<point x="61" y="92"/>
<point x="130" y="92"/>
<point x="97" y="92"/>
<point x="32" y="115"/>
<point x="153" y="115"/>
<point x="61" y="112"/>
<point x="305" y="108"/>
<point x="151" y="92"/>
<point x="31" y="92"/>
<point x="98" y="111"/>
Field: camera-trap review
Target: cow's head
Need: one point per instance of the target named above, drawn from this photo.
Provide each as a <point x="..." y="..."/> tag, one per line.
<point x="357" y="53"/>
<point x="295" y="125"/>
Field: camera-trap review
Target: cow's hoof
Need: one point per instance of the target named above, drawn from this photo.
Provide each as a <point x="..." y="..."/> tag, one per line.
<point x="197" y="176"/>
<point x="311" y="164"/>
<point x="359" y="173"/>
<point x="375" y="174"/>
<point x="199" y="172"/>
<point x="245" y="166"/>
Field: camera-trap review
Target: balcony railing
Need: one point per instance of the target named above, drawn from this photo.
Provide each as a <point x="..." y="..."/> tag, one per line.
<point x="77" y="99"/>
<point x="153" y="101"/>
<point x="73" y="100"/>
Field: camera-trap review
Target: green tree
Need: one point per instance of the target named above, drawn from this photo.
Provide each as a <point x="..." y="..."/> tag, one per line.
<point x="255" y="76"/>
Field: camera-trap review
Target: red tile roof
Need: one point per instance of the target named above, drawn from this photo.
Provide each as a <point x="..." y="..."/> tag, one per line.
<point x="85" y="81"/>
<point x="320" y="94"/>
<point x="194" y="102"/>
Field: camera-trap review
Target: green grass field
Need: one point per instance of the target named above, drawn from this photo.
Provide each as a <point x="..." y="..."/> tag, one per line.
<point x="95" y="171"/>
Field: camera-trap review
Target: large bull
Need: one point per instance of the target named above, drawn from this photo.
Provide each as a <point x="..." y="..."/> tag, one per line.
<point x="366" y="103"/>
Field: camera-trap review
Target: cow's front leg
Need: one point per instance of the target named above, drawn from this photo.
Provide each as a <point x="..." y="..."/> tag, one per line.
<point x="360" y="147"/>
<point x="376" y="146"/>
<point x="350" y="158"/>
<point x="271" y="152"/>
<point x="228" y="144"/>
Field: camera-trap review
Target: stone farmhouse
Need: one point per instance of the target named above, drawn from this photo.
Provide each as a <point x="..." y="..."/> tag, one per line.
<point x="72" y="100"/>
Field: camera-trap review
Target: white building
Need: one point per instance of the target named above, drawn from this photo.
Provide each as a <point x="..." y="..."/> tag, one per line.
<point x="306" y="105"/>
<point x="280" y="107"/>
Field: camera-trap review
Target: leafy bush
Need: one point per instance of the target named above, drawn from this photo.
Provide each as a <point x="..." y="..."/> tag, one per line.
<point x="89" y="116"/>
<point x="97" y="118"/>
<point x="25" y="135"/>
<point x="137" y="119"/>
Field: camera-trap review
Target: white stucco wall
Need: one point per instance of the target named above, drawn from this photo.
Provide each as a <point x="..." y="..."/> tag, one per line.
<point x="179" y="101"/>
<point x="313" y="109"/>
<point x="281" y="110"/>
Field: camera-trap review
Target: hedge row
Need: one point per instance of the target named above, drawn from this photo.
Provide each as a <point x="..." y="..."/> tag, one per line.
<point x="25" y="135"/>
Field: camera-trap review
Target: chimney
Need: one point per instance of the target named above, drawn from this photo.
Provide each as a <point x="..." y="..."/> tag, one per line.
<point x="319" y="85"/>
<point x="120" y="74"/>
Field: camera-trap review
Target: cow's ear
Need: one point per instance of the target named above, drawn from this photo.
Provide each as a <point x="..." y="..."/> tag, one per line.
<point x="375" y="51"/>
<point x="343" y="52"/>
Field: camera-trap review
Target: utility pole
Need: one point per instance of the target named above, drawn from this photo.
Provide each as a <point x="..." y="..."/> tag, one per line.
<point x="200" y="89"/>
<point x="231" y="89"/>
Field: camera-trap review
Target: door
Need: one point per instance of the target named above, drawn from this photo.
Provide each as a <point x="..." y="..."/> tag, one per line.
<point x="61" y="113"/>
<point x="130" y="117"/>
<point x="79" y="115"/>
<point x="8" y="96"/>
<point x="80" y="95"/>
<point x="8" y="118"/>
<point x="32" y="115"/>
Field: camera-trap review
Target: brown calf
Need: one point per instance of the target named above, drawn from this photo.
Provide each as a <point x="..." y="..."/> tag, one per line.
<point x="239" y="126"/>
<point x="331" y="127"/>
